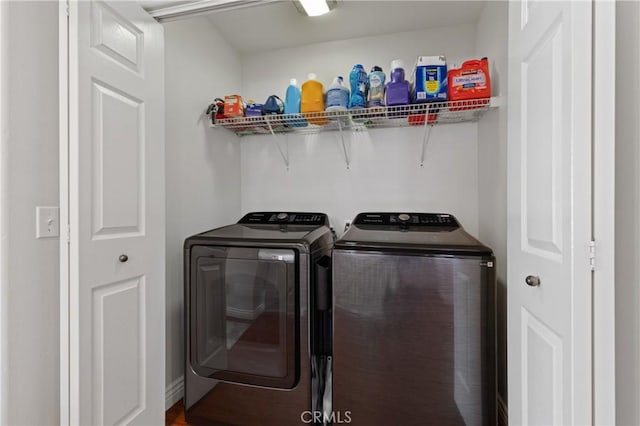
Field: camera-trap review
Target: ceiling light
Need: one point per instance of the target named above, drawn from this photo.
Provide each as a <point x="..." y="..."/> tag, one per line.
<point x="315" y="7"/>
<point x="164" y="11"/>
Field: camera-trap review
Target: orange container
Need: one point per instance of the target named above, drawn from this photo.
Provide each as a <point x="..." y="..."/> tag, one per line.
<point x="471" y="81"/>
<point x="233" y="106"/>
<point x="312" y="101"/>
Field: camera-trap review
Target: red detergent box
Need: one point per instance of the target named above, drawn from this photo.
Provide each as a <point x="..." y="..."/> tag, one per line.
<point x="470" y="81"/>
<point x="233" y="106"/>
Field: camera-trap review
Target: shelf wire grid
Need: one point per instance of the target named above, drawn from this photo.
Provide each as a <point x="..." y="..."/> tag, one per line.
<point x="359" y="119"/>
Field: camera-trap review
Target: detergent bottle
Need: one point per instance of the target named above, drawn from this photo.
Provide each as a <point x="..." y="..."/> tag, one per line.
<point x="397" y="90"/>
<point x="337" y="96"/>
<point x="312" y="101"/>
<point x="375" y="96"/>
<point x="471" y="81"/>
<point x="358" y="81"/>
<point x="292" y="105"/>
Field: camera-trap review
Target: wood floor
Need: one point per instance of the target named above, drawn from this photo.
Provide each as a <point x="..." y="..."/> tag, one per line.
<point x="175" y="415"/>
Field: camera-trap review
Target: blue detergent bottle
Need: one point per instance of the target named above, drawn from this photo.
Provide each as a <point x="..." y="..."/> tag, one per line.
<point x="292" y="105"/>
<point x="358" y="80"/>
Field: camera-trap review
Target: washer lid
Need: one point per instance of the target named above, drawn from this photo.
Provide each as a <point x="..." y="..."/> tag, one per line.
<point x="427" y="232"/>
<point x="431" y="222"/>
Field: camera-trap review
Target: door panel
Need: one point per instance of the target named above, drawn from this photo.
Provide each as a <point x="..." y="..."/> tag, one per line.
<point x="243" y="316"/>
<point x="541" y="195"/>
<point x="116" y="215"/>
<point x="118" y="162"/>
<point x="542" y="379"/>
<point x="210" y="330"/>
<point x="117" y="37"/>
<point x="549" y="224"/>
<point x="119" y="353"/>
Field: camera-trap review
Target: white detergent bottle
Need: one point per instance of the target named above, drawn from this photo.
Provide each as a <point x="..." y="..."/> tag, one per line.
<point x="337" y="96"/>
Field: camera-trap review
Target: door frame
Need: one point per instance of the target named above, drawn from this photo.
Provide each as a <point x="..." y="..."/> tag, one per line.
<point x="4" y="206"/>
<point x="65" y="306"/>
<point x="603" y="210"/>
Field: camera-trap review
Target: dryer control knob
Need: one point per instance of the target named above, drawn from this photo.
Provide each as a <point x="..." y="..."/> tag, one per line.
<point x="404" y="217"/>
<point x="282" y="216"/>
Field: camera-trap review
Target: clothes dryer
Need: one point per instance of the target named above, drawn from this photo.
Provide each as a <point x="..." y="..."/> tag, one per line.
<point x="257" y="320"/>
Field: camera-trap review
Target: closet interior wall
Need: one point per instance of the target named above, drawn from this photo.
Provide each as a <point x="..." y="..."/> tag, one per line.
<point x="202" y="169"/>
<point x="213" y="177"/>
<point x="627" y="219"/>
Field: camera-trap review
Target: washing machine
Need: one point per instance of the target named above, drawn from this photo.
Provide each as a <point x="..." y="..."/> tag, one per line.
<point x="413" y="322"/>
<point x="257" y="320"/>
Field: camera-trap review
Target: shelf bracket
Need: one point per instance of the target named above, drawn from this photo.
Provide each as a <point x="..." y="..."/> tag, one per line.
<point x="285" y="156"/>
<point x="425" y="138"/>
<point x="344" y="146"/>
<point x="428" y="127"/>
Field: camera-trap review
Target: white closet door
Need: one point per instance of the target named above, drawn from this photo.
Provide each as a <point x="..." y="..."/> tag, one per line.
<point x="116" y="213"/>
<point x="549" y="223"/>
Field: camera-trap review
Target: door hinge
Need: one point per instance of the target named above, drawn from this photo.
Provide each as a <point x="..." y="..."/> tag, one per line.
<point x="592" y="255"/>
<point x="67" y="7"/>
<point x="68" y="233"/>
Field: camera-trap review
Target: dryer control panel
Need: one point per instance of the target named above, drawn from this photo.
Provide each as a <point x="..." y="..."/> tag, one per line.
<point x="291" y="218"/>
<point x="439" y="220"/>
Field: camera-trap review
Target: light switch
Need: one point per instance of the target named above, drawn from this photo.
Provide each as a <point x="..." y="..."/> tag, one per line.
<point x="47" y="222"/>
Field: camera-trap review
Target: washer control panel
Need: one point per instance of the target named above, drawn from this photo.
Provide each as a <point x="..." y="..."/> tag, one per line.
<point x="286" y="218"/>
<point x="439" y="220"/>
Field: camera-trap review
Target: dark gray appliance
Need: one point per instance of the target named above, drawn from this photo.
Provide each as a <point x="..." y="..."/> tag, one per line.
<point x="257" y="320"/>
<point x="413" y="322"/>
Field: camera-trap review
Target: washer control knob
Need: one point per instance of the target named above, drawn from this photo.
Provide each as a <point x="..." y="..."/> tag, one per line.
<point x="404" y="217"/>
<point x="282" y="216"/>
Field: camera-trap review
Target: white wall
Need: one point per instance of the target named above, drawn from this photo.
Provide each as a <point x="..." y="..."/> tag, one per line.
<point x="627" y="217"/>
<point x="385" y="173"/>
<point x="268" y="72"/>
<point x="491" y="42"/>
<point x="202" y="164"/>
<point x="30" y="155"/>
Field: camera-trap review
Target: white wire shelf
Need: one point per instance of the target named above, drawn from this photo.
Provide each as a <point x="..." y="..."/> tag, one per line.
<point x="360" y="119"/>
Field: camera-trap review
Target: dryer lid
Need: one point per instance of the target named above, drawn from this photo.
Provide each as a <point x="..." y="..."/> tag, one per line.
<point x="274" y="227"/>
